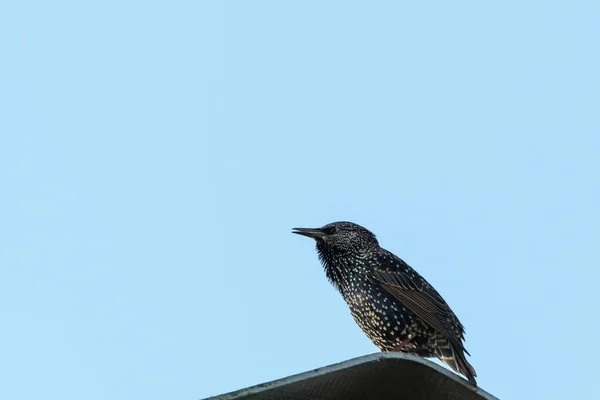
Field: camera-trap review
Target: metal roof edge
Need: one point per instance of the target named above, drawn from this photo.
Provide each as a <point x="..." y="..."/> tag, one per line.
<point x="375" y="357"/>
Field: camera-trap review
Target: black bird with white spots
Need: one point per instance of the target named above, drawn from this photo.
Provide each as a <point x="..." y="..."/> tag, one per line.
<point x="393" y="305"/>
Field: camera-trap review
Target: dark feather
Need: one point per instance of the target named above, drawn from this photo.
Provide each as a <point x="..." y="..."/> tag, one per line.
<point x="416" y="294"/>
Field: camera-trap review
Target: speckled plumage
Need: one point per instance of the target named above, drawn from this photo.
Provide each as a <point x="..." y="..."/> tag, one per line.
<point x="393" y="305"/>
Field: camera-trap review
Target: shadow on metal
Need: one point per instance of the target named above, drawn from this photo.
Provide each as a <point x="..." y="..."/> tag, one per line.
<point x="379" y="376"/>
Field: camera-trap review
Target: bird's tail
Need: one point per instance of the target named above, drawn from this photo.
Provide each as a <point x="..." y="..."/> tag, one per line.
<point x="454" y="357"/>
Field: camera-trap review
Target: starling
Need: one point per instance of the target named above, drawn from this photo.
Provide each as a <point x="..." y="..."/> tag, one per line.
<point x="393" y="305"/>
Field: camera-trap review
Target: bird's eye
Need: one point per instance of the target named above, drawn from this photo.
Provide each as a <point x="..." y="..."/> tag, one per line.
<point x="331" y="230"/>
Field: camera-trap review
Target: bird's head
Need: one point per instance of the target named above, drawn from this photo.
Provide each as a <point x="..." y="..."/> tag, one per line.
<point x="339" y="238"/>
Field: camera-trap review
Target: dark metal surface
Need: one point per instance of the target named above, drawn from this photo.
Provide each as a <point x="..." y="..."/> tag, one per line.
<point x="379" y="376"/>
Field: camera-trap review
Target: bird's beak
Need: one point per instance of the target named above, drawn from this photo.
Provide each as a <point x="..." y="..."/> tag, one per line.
<point x="314" y="233"/>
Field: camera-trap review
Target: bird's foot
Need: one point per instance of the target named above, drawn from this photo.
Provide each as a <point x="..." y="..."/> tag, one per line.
<point x="403" y="344"/>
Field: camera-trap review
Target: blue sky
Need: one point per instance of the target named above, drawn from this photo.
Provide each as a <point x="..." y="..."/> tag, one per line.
<point x="155" y="156"/>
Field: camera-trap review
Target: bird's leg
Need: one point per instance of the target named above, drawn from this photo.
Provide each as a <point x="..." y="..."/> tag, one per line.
<point x="402" y="344"/>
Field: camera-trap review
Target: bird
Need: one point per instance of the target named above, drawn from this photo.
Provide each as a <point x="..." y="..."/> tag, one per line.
<point x="394" y="306"/>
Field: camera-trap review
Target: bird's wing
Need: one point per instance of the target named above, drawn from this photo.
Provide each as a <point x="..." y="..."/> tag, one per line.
<point x="404" y="283"/>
